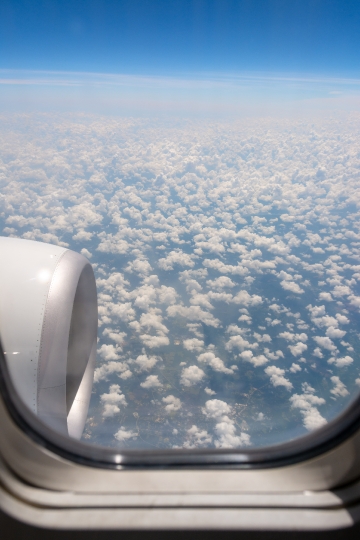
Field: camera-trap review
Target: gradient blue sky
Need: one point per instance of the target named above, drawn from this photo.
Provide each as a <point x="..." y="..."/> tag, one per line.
<point x="179" y="55"/>
<point x="162" y="36"/>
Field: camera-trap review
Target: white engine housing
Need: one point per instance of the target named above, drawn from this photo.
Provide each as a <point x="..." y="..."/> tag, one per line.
<point x="48" y="329"/>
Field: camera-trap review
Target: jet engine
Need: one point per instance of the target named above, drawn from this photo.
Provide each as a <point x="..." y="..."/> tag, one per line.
<point x="48" y="329"/>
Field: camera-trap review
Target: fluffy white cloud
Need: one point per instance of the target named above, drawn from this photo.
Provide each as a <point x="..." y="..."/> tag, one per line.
<point x="220" y="283"/>
<point x="173" y="403"/>
<point x="341" y="362"/>
<point x="291" y="286"/>
<point x="215" y="408"/>
<point x="124" y="435"/>
<point x="246" y="299"/>
<point x="339" y="387"/>
<point x="109" y="352"/>
<point x="237" y="341"/>
<point x="226" y="433"/>
<point x="325" y="296"/>
<point x="193" y="313"/>
<point x="196" y="437"/>
<point x="298" y="349"/>
<point x="225" y="426"/>
<point x="191" y="375"/>
<point x="140" y="266"/>
<point x="277" y="377"/>
<point x="265" y="338"/>
<point x="307" y="404"/>
<point x="335" y="333"/>
<point x="145" y="363"/>
<point x="213" y="361"/>
<point x="317" y="352"/>
<point x="118" y="337"/>
<point x="112" y="244"/>
<point x="112" y="401"/>
<point x="342" y="319"/>
<point x="289" y="336"/>
<point x="256" y="361"/>
<point x="152" y="381"/>
<point x="176" y="257"/>
<point x="193" y="344"/>
<point x="154" y="341"/>
<point x="325" y="343"/>
<point x="106" y="370"/>
<point x="295" y="368"/>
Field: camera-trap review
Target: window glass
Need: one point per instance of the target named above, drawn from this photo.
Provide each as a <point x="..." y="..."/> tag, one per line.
<point x="204" y="157"/>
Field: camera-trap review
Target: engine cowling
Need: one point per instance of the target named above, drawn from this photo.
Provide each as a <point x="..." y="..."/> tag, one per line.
<point x="48" y="329"/>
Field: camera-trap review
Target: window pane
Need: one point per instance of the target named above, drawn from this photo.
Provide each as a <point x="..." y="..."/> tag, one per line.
<point x="220" y="215"/>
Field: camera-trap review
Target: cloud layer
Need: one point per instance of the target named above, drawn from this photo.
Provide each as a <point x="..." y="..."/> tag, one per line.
<point x="227" y="264"/>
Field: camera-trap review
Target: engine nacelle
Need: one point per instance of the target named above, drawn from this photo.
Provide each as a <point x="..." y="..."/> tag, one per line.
<point x="48" y="329"/>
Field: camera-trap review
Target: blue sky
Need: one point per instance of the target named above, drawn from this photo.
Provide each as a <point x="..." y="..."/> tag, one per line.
<point x="182" y="55"/>
<point x="162" y="36"/>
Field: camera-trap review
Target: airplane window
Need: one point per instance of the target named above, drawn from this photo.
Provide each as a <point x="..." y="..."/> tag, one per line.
<point x="209" y="173"/>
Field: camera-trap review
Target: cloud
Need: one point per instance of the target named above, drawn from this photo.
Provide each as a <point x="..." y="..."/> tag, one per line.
<point x="193" y="344"/>
<point x="112" y="401"/>
<point x="106" y="370"/>
<point x="215" y="408"/>
<point x="118" y="337"/>
<point x="298" y="349"/>
<point x="112" y="244"/>
<point x="317" y="352"/>
<point x="277" y="377"/>
<point x="291" y="286"/>
<point x="341" y="290"/>
<point x="223" y="268"/>
<point x="196" y="437"/>
<point x="341" y="362"/>
<point x="307" y="403"/>
<point x="224" y="428"/>
<point x="325" y="296"/>
<point x="109" y="352"/>
<point x="191" y="375"/>
<point x="335" y="333"/>
<point x="225" y="431"/>
<point x="339" y="387"/>
<point x="213" y="361"/>
<point x="152" y="381"/>
<point x="124" y="435"/>
<point x="244" y="298"/>
<point x="265" y="338"/>
<point x="289" y="336"/>
<point x="254" y="360"/>
<point x="295" y="368"/>
<point x="325" y="343"/>
<point x="237" y="341"/>
<point x="176" y="257"/>
<point x="342" y="319"/>
<point x="139" y="266"/>
<point x="145" y="363"/>
<point x="173" y="404"/>
<point x="154" y="341"/>
<point x="124" y="311"/>
<point x="193" y="313"/>
<point x="220" y="283"/>
<point x="86" y="253"/>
